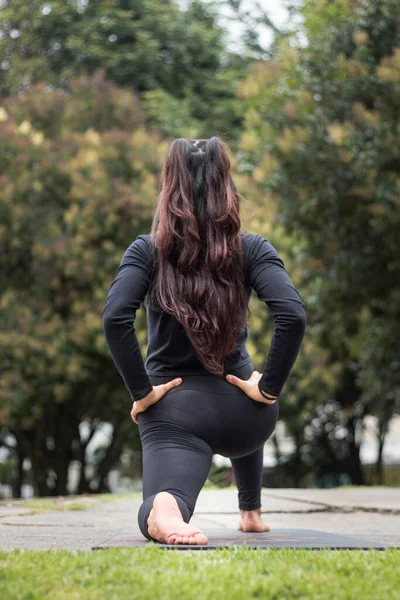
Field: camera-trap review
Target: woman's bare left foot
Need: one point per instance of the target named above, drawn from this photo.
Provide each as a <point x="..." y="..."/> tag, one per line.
<point x="166" y="525"/>
<point x="251" y="520"/>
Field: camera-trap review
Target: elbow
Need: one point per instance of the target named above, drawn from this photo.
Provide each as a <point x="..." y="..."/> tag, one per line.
<point x="301" y="317"/>
<point x="110" y="319"/>
<point x="108" y="322"/>
<point x="116" y="321"/>
<point x="298" y="319"/>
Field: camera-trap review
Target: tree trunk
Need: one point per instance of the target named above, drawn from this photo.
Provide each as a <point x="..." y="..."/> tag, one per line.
<point x="352" y="465"/>
<point x="382" y="431"/>
<point x="83" y="484"/>
<point x="19" y="475"/>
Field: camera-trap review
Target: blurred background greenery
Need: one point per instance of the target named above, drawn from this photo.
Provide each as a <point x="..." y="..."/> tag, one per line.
<point x="92" y="92"/>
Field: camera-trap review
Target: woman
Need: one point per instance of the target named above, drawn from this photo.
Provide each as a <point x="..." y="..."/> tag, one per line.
<point x="198" y="394"/>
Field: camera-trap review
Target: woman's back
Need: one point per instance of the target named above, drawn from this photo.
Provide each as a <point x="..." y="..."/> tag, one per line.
<point x="169" y="350"/>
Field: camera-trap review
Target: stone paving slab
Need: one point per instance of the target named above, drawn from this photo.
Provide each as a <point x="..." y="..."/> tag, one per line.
<point x="331" y="511"/>
<point x="9" y="511"/>
<point x="49" y="538"/>
<point x="330" y="522"/>
<point x="95" y="516"/>
<point x="382" y="498"/>
<point x="227" y="502"/>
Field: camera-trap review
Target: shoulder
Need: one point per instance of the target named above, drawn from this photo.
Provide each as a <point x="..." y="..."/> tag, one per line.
<point x="253" y="242"/>
<point x="259" y="249"/>
<point x="138" y="252"/>
<point x="146" y="242"/>
<point x="142" y="241"/>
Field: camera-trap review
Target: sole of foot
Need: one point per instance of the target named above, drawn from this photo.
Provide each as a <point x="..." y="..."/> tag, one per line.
<point x="251" y="521"/>
<point x="166" y="525"/>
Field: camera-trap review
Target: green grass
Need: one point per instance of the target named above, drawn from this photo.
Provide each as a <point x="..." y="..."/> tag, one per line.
<point x="235" y="574"/>
<point x="73" y="502"/>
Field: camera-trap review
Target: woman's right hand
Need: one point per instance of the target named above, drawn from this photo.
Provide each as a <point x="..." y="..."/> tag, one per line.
<point x="250" y="387"/>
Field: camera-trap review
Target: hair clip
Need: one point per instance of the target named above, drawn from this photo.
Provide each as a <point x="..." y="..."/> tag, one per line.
<point x="200" y="151"/>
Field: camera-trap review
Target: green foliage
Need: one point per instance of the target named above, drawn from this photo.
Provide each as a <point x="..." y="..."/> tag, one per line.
<point x="78" y="177"/>
<point x="79" y="166"/>
<point x="176" y="58"/>
<point x="321" y="136"/>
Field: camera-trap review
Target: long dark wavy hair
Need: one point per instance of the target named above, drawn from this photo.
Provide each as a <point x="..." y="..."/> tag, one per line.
<point x="195" y="233"/>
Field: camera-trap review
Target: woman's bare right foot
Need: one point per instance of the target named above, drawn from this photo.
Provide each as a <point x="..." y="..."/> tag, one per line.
<point x="166" y="525"/>
<point x="251" y="520"/>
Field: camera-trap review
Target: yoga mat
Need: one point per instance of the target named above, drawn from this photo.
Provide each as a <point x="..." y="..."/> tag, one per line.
<point x="225" y="538"/>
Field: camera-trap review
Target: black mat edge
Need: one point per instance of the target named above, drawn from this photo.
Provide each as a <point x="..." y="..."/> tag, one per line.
<point x="369" y="545"/>
<point x="199" y="548"/>
<point x="100" y="547"/>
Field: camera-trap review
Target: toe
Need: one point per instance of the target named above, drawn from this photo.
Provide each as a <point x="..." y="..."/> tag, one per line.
<point x="201" y="538"/>
<point x="171" y="539"/>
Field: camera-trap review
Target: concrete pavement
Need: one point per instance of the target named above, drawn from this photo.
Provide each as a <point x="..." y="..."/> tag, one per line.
<point x="359" y="512"/>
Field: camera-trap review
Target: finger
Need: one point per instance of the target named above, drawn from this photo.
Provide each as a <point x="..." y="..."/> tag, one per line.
<point x="134" y="412"/>
<point x="173" y="383"/>
<point x="235" y="380"/>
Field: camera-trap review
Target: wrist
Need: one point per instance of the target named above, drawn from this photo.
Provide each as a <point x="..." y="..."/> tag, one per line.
<point x="266" y="394"/>
<point x="142" y="395"/>
<point x="144" y="402"/>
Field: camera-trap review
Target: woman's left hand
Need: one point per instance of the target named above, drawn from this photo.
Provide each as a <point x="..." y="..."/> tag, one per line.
<point x="153" y="397"/>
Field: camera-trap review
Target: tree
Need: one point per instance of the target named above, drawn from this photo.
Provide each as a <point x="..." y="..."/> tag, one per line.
<point x="175" y="59"/>
<point x="322" y="132"/>
<point x="78" y="173"/>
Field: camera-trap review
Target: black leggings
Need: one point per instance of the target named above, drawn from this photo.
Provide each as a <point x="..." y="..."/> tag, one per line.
<point x="204" y="415"/>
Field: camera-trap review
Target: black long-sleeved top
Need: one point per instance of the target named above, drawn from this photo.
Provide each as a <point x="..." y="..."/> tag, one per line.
<point x="169" y="351"/>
